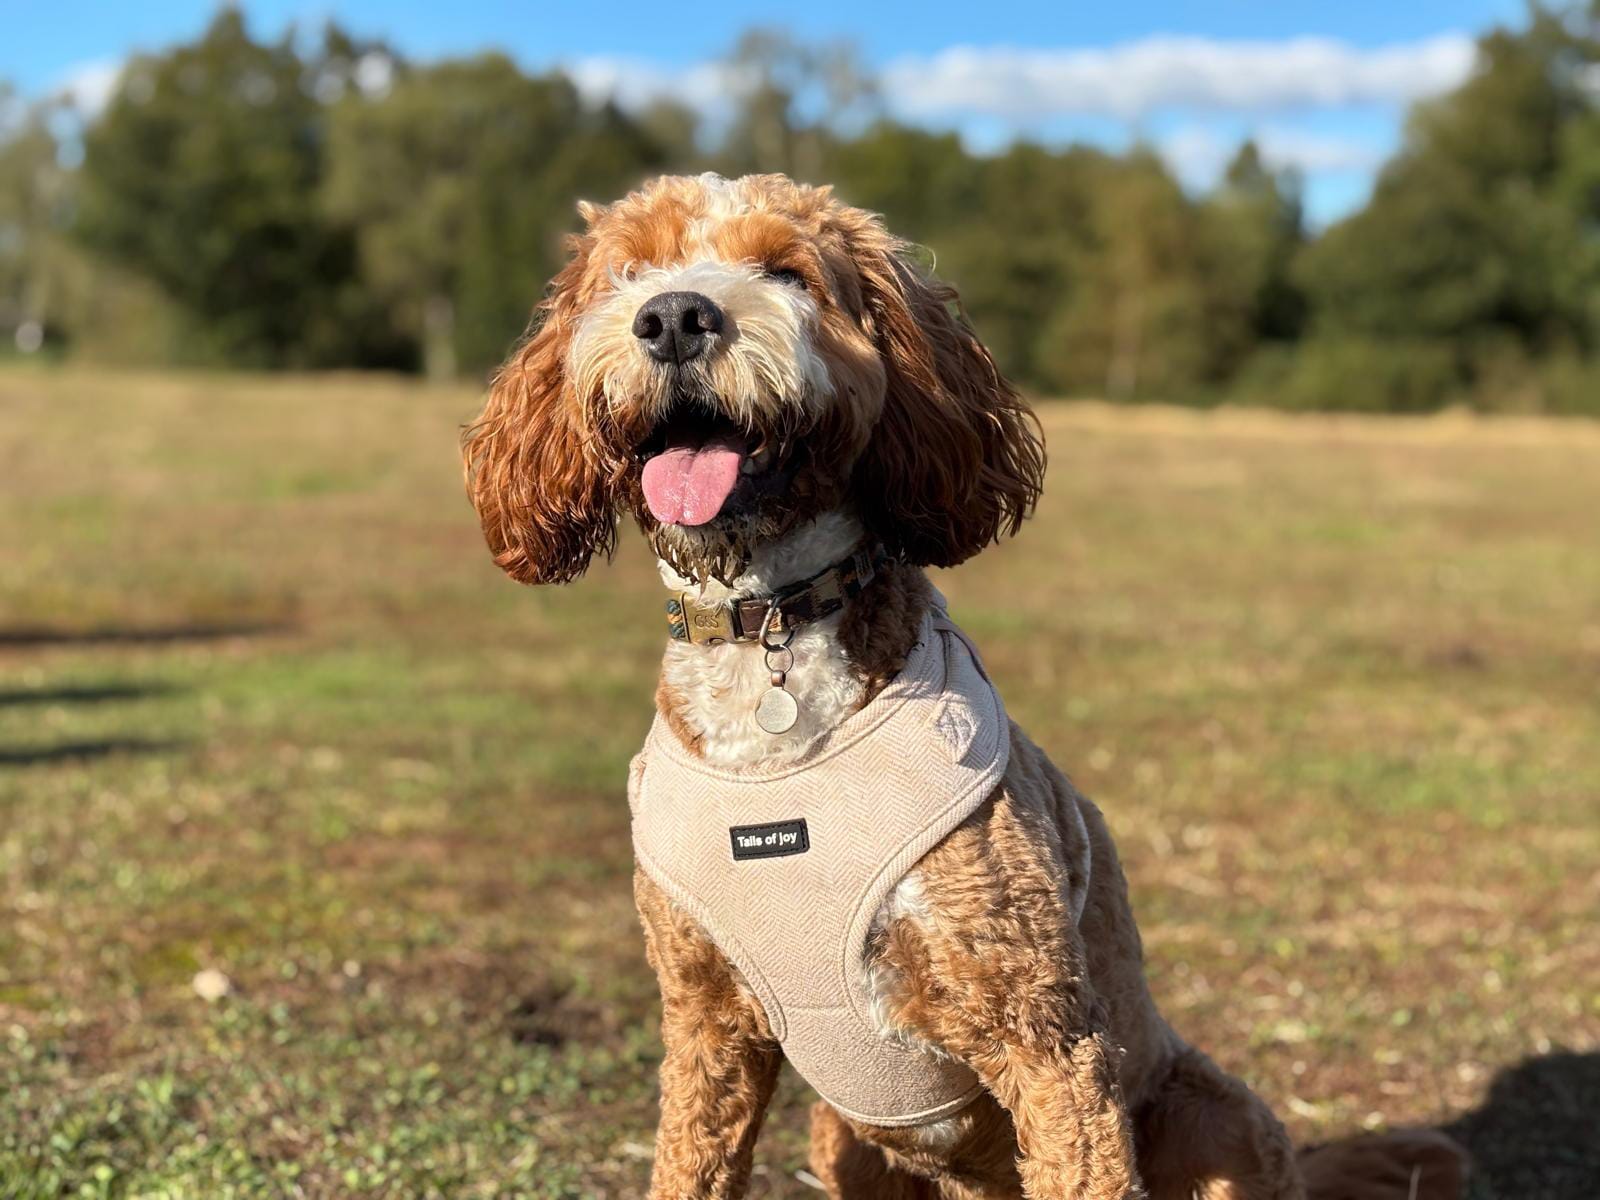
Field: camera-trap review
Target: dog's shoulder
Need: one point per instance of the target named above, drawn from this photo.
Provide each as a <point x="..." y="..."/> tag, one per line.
<point x="1026" y="852"/>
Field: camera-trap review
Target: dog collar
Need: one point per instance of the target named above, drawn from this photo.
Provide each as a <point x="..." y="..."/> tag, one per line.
<point x="746" y="618"/>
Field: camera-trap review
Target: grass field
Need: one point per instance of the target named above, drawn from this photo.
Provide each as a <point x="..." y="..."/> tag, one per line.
<point x="267" y="710"/>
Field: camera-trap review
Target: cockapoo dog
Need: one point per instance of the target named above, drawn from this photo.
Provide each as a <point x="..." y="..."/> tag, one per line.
<point x="847" y="855"/>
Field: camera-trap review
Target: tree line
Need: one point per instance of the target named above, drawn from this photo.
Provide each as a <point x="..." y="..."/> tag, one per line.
<point x="274" y="204"/>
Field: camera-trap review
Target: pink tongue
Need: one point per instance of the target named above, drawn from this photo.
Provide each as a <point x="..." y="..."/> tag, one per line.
<point x="688" y="484"/>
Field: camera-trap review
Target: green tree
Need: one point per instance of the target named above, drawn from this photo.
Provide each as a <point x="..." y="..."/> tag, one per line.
<point x="340" y="206"/>
<point x="1475" y="239"/>
<point x="459" y="179"/>
<point x="53" y="294"/>
<point x="1140" y="314"/>
<point x="1258" y="223"/>
<point x="1018" y="255"/>
<point x="33" y="212"/>
<point x="927" y="182"/>
<point x="202" y="176"/>
<point x="792" y="99"/>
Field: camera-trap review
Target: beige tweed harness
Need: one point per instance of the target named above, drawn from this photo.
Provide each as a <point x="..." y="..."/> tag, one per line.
<point x="787" y="868"/>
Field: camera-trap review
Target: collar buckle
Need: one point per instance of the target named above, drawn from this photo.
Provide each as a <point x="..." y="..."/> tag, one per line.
<point x="703" y="622"/>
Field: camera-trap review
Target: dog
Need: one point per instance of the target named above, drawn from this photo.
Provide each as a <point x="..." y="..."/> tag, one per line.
<point x="801" y="420"/>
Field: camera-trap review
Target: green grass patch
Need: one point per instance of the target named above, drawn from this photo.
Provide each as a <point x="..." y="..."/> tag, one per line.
<point x="267" y="710"/>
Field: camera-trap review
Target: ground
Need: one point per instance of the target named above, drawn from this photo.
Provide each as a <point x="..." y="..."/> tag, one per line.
<point x="273" y="729"/>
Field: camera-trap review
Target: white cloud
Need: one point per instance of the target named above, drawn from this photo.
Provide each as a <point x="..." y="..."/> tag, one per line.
<point x="1134" y="79"/>
<point x="636" y="83"/>
<point x="1127" y="81"/>
<point x="990" y="93"/>
<point x="89" y="85"/>
<point x="1200" y="153"/>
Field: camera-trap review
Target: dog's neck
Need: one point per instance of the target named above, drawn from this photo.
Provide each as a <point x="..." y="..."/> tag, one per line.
<point x="709" y="693"/>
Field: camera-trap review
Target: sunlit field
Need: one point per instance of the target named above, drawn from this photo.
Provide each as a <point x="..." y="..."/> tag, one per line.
<point x="274" y="730"/>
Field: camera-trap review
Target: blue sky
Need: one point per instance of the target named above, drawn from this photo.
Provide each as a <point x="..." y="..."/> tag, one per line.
<point x="1323" y="86"/>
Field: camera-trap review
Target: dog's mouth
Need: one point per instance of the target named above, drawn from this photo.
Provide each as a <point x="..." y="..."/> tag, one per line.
<point x="694" y="461"/>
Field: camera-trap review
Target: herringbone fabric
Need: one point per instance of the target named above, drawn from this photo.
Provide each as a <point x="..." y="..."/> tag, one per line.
<point x="875" y="794"/>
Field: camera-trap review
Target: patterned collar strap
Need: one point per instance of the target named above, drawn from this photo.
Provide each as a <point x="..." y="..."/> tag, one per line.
<point x="713" y="622"/>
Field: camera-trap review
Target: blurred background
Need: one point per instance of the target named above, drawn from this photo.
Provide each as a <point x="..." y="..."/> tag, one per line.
<point x="313" y="854"/>
<point x="1242" y="205"/>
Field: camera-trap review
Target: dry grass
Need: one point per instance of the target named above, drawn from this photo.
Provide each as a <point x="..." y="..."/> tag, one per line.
<point x="266" y="708"/>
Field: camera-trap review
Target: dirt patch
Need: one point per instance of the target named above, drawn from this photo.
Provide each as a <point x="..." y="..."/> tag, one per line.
<point x="550" y="1015"/>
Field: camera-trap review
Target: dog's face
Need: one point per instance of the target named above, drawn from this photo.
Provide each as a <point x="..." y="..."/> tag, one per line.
<point x="726" y="360"/>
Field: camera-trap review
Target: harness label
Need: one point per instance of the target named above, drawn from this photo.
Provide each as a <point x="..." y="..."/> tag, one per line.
<point x="769" y="841"/>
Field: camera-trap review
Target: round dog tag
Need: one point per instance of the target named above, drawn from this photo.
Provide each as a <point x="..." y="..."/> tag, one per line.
<point x="778" y="711"/>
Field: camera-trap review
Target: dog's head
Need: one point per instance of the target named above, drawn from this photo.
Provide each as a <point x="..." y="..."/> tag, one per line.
<point x="728" y="359"/>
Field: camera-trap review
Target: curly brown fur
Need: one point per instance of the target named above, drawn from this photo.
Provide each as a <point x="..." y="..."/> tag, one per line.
<point x="957" y="460"/>
<point x="871" y="411"/>
<point x="976" y="1158"/>
<point x="721" y="1060"/>
<point x="879" y="630"/>
<point x="543" y="498"/>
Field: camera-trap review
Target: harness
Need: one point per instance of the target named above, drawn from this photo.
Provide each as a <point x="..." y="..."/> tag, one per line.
<point x="787" y="868"/>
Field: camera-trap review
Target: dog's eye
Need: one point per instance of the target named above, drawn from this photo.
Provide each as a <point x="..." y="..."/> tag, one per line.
<point x="788" y="276"/>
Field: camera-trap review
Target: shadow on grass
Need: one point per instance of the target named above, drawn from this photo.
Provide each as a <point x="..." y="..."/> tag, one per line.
<point x="1537" y="1133"/>
<point x="29" y="756"/>
<point x="105" y="635"/>
<point x="88" y="693"/>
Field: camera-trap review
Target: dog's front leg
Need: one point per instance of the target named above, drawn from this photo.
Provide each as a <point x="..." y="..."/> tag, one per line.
<point x="991" y="967"/>
<point x="721" y="1059"/>
<point x="1073" y="1133"/>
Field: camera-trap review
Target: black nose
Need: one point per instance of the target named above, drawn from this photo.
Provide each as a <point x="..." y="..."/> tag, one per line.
<point x="673" y="326"/>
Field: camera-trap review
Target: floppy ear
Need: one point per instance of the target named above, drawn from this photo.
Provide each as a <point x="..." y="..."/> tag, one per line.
<point x="542" y="495"/>
<point x="957" y="457"/>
